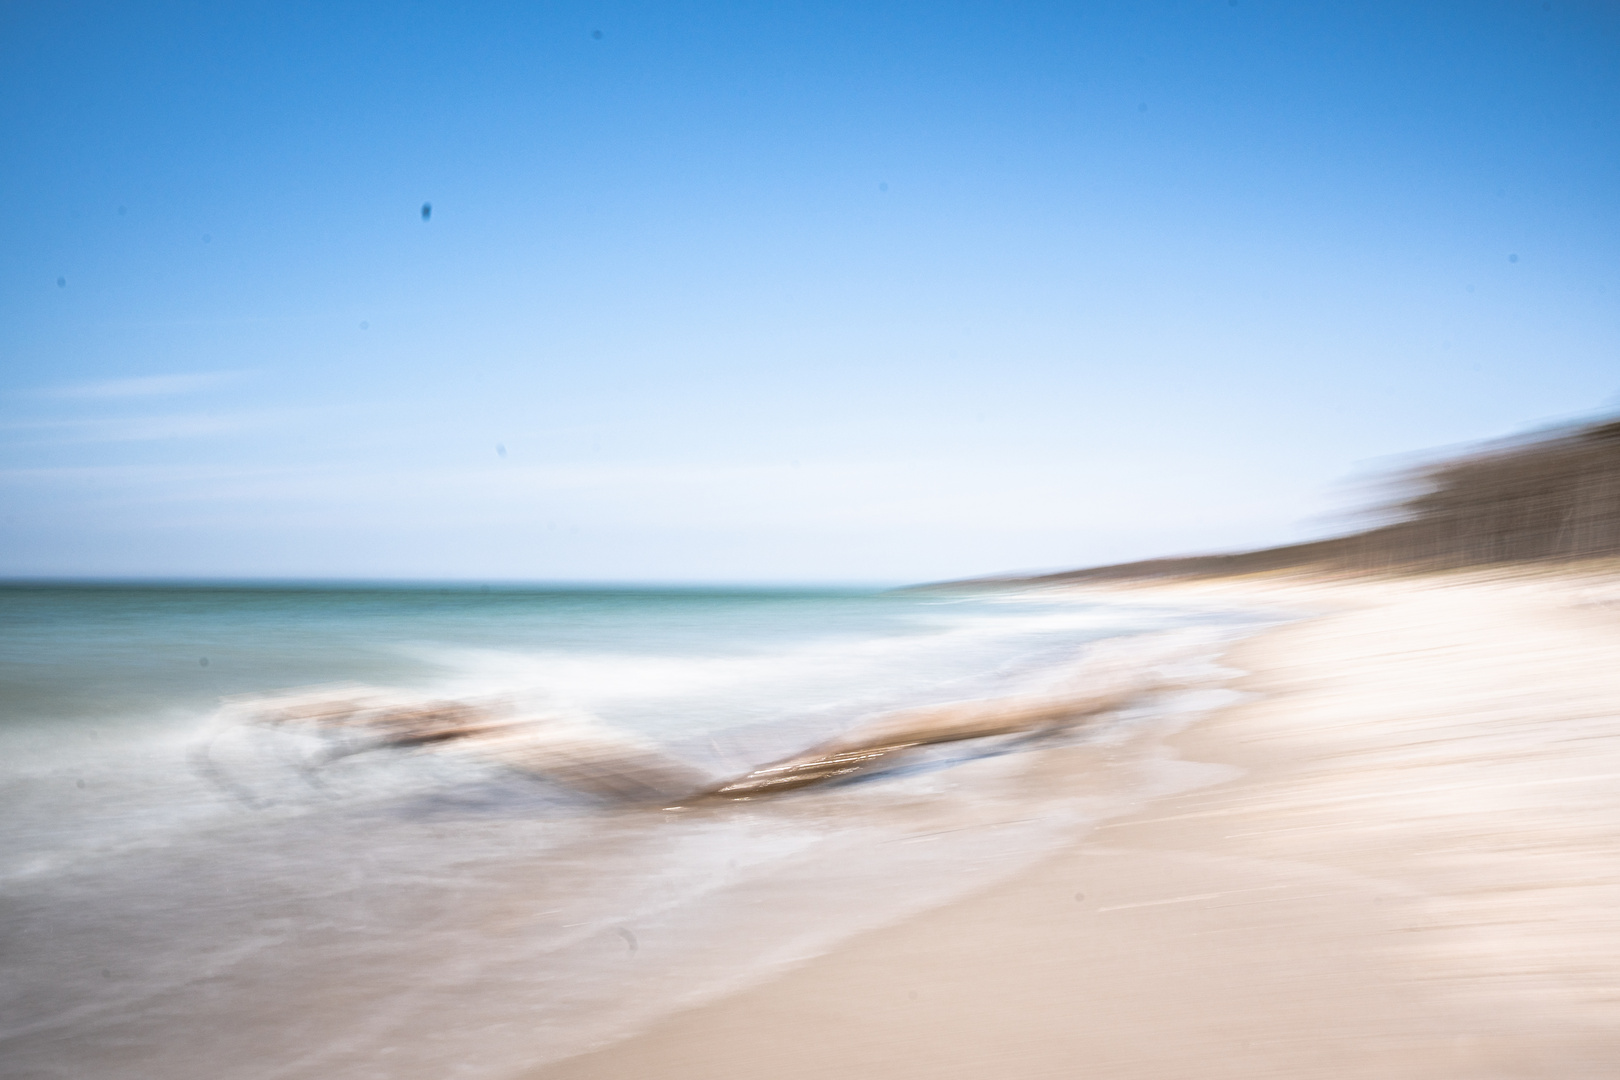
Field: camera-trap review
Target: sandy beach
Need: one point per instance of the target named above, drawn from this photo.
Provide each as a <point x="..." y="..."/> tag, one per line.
<point x="1407" y="865"/>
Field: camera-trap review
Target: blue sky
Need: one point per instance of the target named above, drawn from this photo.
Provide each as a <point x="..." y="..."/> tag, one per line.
<point x="778" y="292"/>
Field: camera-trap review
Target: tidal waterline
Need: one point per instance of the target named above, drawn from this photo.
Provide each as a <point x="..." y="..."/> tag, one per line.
<point x="448" y="915"/>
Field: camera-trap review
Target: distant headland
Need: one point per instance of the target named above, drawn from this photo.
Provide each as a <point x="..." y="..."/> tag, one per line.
<point x="1552" y="497"/>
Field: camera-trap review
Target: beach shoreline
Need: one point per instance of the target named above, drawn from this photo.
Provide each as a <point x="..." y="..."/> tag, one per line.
<point x="1407" y="872"/>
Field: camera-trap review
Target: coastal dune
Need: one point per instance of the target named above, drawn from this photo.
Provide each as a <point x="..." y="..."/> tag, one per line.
<point x="1411" y="872"/>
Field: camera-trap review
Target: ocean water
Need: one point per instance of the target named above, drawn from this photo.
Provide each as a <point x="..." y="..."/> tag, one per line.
<point x="188" y="896"/>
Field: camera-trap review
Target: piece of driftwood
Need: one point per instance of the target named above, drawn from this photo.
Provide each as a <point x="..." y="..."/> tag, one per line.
<point x="587" y="757"/>
<point x="877" y="743"/>
<point x="592" y="759"/>
<point x="560" y="748"/>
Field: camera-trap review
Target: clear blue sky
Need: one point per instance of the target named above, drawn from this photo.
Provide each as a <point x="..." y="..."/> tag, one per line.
<point x="819" y="291"/>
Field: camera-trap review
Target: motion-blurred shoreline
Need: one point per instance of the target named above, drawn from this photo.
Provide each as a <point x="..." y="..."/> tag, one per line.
<point x="540" y="820"/>
<point x="1408" y="871"/>
<point x="1023" y="827"/>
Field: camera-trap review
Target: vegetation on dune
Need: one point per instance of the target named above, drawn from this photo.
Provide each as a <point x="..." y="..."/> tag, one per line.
<point x="1553" y="497"/>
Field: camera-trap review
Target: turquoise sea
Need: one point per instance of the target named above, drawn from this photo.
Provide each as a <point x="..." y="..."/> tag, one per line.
<point x="185" y="897"/>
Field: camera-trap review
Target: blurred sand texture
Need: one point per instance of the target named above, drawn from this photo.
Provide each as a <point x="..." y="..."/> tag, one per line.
<point x="1416" y="874"/>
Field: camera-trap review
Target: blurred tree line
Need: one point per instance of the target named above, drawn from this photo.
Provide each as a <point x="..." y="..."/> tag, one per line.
<point x="1553" y="497"/>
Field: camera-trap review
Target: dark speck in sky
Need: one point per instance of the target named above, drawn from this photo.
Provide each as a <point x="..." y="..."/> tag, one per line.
<point x="500" y="448"/>
<point x="427" y="211"/>
<point x="122" y="210"/>
<point x="1513" y="258"/>
<point x="1141" y="106"/>
<point x="596" y="35"/>
<point x="61" y="283"/>
<point x="883" y="186"/>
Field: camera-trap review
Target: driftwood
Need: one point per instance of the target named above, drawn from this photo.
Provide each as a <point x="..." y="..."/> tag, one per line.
<point x="563" y="749"/>
<point x="598" y="761"/>
<point x="877" y="743"/>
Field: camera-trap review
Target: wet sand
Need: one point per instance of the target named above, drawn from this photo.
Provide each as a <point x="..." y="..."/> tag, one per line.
<point x="1414" y="871"/>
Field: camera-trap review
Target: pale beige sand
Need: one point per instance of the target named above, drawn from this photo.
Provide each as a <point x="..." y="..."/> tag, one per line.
<point x="1417" y="874"/>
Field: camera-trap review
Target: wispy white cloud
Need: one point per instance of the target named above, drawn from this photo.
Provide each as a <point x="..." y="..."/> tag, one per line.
<point x="839" y="494"/>
<point x="131" y="428"/>
<point x="142" y="386"/>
